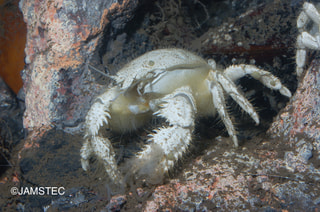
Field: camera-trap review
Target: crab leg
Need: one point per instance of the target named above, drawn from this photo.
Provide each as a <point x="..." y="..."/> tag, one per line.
<point x="168" y="144"/>
<point x="97" y="116"/>
<point x="103" y="149"/>
<point x="217" y="84"/>
<point x="306" y="40"/>
<point x="312" y="12"/>
<point x="232" y="90"/>
<point x="220" y="105"/>
<point x="236" y="72"/>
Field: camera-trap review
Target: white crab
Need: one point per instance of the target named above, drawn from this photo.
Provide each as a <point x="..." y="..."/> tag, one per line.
<point x="311" y="39"/>
<point x="174" y="84"/>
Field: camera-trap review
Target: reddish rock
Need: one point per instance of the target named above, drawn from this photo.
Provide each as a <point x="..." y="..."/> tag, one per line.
<point x="62" y="36"/>
<point x="300" y="118"/>
<point x="116" y="203"/>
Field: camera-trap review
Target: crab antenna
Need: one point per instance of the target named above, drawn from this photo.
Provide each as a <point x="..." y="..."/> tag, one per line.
<point x="100" y="72"/>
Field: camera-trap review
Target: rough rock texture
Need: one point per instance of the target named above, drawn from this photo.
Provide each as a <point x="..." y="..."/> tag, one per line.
<point x="298" y="124"/>
<point x="62" y="36"/>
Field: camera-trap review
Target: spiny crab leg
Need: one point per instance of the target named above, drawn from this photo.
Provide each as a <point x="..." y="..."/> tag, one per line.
<point x="168" y="144"/>
<point x="236" y="72"/>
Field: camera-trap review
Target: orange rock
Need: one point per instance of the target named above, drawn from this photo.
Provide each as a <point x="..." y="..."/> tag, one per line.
<point x="12" y="44"/>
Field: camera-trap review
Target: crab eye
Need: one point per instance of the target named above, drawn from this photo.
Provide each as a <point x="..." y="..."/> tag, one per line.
<point x="151" y="63"/>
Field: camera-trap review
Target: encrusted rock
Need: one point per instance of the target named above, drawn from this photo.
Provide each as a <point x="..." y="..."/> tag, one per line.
<point x="298" y="125"/>
<point x="62" y="37"/>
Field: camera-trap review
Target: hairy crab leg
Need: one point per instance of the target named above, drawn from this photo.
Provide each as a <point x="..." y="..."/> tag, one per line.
<point x="231" y="89"/>
<point x="168" y="144"/>
<point x="220" y="105"/>
<point x="236" y="72"/>
<point x="97" y="116"/>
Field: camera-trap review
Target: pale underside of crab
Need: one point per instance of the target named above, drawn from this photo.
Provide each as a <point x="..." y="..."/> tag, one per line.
<point x="308" y="24"/>
<point x="173" y="84"/>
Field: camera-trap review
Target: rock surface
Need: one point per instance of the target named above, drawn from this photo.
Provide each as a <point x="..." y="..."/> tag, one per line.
<point x="62" y="37"/>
